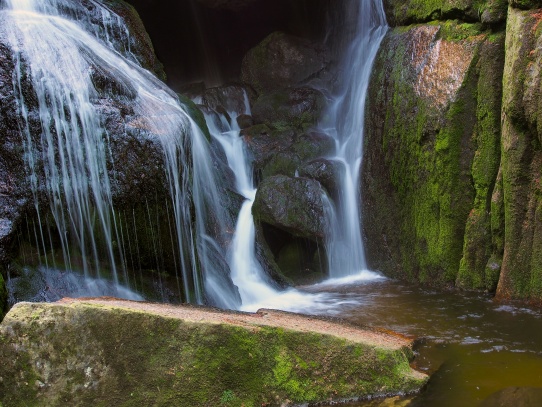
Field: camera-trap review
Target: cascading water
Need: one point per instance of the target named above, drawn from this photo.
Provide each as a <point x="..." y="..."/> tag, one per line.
<point x="346" y="120"/>
<point x="345" y="249"/>
<point x="60" y="45"/>
<point x="246" y="272"/>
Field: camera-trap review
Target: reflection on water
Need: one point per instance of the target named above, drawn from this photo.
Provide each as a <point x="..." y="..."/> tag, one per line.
<point x="471" y="345"/>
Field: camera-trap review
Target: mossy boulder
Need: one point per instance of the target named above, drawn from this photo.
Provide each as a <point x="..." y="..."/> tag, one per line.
<point x="432" y="128"/>
<point x="521" y="165"/>
<point x="108" y="352"/>
<point x="298" y="108"/>
<point x="307" y="147"/>
<point x="282" y="60"/>
<point x="296" y="205"/>
<point x="421" y="11"/>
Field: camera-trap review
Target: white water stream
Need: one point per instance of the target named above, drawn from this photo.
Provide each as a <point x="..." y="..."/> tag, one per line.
<point x="60" y="44"/>
<point x="346" y="121"/>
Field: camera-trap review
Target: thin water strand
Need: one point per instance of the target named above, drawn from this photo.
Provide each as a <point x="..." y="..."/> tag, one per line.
<point x="344" y="244"/>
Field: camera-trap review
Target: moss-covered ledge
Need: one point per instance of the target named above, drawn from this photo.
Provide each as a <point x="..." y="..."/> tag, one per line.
<point x="109" y="352"/>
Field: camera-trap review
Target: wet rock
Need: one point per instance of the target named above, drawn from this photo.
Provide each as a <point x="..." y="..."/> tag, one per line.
<point x="140" y="43"/>
<point x="264" y="143"/>
<point x="282" y="59"/>
<point x="245" y="121"/>
<point x="432" y="152"/>
<point x="298" y="108"/>
<point x="283" y="163"/>
<point x="514" y="397"/>
<point x="326" y="172"/>
<point x="521" y="164"/>
<point x="296" y="205"/>
<point x="99" y="351"/>
<point x="133" y="150"/>
<point x="229" y="98"/>
<point x="313" y="144"/>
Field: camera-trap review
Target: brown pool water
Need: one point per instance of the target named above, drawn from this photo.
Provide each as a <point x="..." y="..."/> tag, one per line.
<point x="471" y="345"/>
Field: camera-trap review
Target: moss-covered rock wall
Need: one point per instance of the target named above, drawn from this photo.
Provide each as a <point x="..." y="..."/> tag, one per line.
<point x="451" y="191"/>
<point x="433" y="146"/>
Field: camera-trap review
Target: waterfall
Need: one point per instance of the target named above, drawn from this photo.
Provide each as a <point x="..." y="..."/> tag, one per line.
<point x="345" y="121"/>
<point x="246" y="272"/>
<point x="61" y="43"/>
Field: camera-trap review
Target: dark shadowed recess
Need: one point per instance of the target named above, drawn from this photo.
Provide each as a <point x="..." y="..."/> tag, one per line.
<point x="198" y="43"/>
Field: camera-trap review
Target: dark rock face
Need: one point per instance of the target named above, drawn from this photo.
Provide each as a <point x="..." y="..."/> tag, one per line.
<point x="297" y="108"/>
<point x="227" y="4"/>
<point x="135" y="157"/>
<point x="282" y="60"/>
<point x="14" y="192"/>
<point x="140" y="43"/>
<point x="296" y="205"/>
<point x="432" y="154"/>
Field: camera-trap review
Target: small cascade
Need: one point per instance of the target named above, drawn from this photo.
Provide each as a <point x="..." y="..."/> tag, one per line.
<point x="345" y="121"/>
<point x="62" y="44"/>
<point x="246" y="272"/>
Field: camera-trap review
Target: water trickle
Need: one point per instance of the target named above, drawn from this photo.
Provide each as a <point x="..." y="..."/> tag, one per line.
<point x="344" y="244"/>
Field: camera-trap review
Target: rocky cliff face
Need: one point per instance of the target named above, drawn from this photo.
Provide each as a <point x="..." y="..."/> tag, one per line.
<point x="452" y="147"/>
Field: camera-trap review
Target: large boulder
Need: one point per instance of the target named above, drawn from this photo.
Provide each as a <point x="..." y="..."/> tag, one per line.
<point x="282" y="60"/>
<point x="296" y="205"/>
<point x="100" y="352"/>
<point x="432" y="153"/>
<point x="298" y="108"/>
<point x="521" y="164"/>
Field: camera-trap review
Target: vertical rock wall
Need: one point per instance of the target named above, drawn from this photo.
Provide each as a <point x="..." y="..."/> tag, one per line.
<point x="453" y="163"/>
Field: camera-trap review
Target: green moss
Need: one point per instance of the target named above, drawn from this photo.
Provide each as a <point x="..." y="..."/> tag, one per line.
<point x="143" y="359"/>
<point x="195" y="114"/>
<point x="453" y="30"/>
<point x="434" y="162"/>
<point x="422" y="11"/>
<point x="479" y="241"/>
